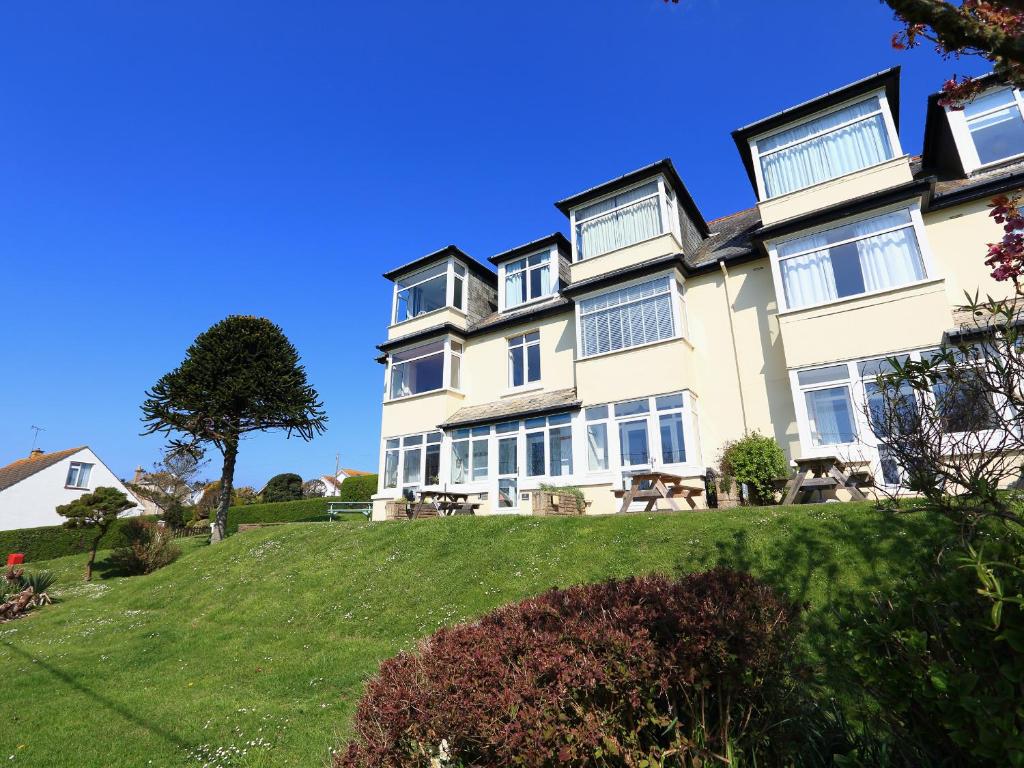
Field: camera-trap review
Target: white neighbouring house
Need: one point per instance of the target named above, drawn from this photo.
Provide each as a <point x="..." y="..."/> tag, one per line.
<point x="333" y="482"/>
<point x="31" y="489"/>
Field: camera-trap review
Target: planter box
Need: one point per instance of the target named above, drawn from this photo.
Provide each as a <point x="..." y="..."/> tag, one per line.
<point x="546" y="503"/>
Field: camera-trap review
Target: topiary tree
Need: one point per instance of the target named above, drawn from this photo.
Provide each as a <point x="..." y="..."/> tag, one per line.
<point x="756" y="461"/>
<point x="284" y="487"/>
<point x="98" y="510"/>
<point x="314" y="489"/>
<point x="240" y="376"/>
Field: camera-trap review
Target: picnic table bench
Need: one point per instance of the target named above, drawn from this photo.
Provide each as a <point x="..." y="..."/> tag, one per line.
<point x="442" y="503"/>
<point x="819" y="474"/>
<point x="654" y="486"/>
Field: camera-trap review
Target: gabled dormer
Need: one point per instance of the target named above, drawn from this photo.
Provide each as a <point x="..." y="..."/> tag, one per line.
<point x="827" y="151"/>
<point x="446" y="286"/>
<point x="632" y="219"/>
<point x="532" y="273"/>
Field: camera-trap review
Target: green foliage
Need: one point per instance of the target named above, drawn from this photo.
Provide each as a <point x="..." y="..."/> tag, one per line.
<point x="147" y="547"/>
<point x="304" y="511"/>
<point x="755" y="460"/>
<point x="942" y="662"/>
<point x="566" y="490"/>
<point x="97" y="509"/>
<point x="54" y="541"/>
<point x="357" y="488"/>
<point x="284" y="487"/>
<point x="174" y="515"/>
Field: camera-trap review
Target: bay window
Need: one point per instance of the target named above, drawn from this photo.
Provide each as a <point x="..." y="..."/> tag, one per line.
<point x="826" y="147"/>
<point x="524" y="359"/>
<point x="423" y="368"/>
<point x="529" y="279"/>
<point x="873" y="254"/>
<point x="627" y="317"/>
<point x="427" y="290"/>
<point x="618" y="221"/>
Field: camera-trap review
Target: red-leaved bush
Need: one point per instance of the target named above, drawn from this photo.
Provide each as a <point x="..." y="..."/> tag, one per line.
<point x="646" y="671"/>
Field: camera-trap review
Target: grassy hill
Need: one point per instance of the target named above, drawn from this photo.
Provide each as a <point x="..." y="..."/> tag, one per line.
<point x="254" y="652"/>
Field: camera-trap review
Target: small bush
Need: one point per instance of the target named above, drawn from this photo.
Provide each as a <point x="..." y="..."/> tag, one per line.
<point x="53" y="541"/>
<point x="567" y="490"/>
<point x="358" y="488"/>
<point x="944" y="684"/>
<point x="756" y="461"/>
<point x="284" y="487"/>
<point x="639" y="672"/>
<point x="147" y="548"/>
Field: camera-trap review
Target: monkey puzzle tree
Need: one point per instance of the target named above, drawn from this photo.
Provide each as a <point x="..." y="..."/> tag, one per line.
<point x="98" y="510"/>
<point x="242" y="375"/>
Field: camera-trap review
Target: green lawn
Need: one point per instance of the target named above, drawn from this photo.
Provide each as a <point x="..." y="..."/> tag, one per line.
<point x="254" y="652"/>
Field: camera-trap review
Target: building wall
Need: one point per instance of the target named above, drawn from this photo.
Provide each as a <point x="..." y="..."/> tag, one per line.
<point x="32" y="503"/>
<point x="621" y="258"/>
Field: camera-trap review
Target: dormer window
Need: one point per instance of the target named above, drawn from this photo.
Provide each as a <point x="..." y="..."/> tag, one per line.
<point x="989" y="129"/>
<point x="620" y="220"/>
<point x="438" y="286"/>
<point x="839" y="142"/>
<point x="529" y="279"/>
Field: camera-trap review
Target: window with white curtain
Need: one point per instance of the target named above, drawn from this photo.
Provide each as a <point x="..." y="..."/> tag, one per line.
<point x="524" y="359"/>
<point x="826" y="393"/>
<point x="995" y="123"/>
<point x="618" y="221"/>
<point x="627" y="317"/>
<point x="528" y="279"/>
<point x="78" y="475"/>
<point x="824" y="147"/>
<point x="869" y="255"/>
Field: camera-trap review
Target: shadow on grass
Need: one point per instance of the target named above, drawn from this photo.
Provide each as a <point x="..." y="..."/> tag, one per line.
<point x="103" y="701"/>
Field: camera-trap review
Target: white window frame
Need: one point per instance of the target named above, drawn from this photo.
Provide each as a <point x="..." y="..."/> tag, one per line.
<point x="890" y="126"/>
<point x="451" y="276"/>
<point x="676" y="294"/>
<point x="525" y="346"/>
<point x="667" y="203"/>
<point x="964" y="139"/>
<point x="76" y="468"/>
<point x="553" y="263"/>
<point x="916" y="222"/>
<point x="474" y="435"/>
<point x="402" y="449"/>
<point x="451" y="348"/>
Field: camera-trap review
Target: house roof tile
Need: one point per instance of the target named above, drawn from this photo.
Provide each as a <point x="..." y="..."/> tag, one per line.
<point x="21" y="469"/>
<point x="524" y="405"/>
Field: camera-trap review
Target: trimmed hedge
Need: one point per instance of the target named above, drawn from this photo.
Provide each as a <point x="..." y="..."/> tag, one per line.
<point x="302" y="511"/>
<point x="56" y="541"/>
<point x="358" y="488"/>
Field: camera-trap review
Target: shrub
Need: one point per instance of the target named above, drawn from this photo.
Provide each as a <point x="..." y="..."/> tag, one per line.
<point x="284" y="487"/>
<point x="756" y="461"/>
<point x="944" y="682"/>
<point x="567" y="490"/>
<point x="358" y="488"/>
<point x="147" y="548"/>
<point x="174" y="515"/>
<point x="644" y="671"/>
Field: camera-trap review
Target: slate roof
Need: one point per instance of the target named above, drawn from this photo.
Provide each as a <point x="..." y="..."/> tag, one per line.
<point x="21" y="469"/>
<point x="511" y="316"/>
<point x="730" y="238"/>
<point x="515" y="407"/>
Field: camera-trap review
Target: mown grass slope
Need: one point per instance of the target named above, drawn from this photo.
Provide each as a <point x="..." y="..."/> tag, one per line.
<point x="254" y="652"/>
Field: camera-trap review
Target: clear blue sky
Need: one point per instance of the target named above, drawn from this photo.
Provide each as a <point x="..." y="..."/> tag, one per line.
<point x="163" y="165"/>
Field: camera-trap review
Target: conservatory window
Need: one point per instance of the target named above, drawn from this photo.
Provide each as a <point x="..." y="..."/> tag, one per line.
<point x="597" y="438"/>
<point x="864" y="256"/>
<point x="826" y="394"/>
<point x="470" y="454"/>
<point x="415" y="460"/>
<point x="618" y="221"/>
<point x="825" y="147"/>
<point x="628" y="317"/>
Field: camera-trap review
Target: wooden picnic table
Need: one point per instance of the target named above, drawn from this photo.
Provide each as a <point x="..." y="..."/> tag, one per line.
<point x="445" y="502"/>
<point x="653" y="486"/>
<point x="818" y="474"/>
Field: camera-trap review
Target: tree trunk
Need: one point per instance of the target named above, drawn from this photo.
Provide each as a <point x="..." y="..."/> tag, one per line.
<point x="227" y="479"/>
<point x="92" y="553"/>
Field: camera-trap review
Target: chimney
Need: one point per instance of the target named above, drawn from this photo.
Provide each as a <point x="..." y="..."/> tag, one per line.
<point x="35" y="452"/>
<point x="139" y="474"/>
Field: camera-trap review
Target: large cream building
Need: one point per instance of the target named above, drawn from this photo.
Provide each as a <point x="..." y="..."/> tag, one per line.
<point x="650" y="337"/>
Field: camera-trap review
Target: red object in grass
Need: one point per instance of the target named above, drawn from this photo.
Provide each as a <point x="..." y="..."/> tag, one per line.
<point x="15" y="559"/>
